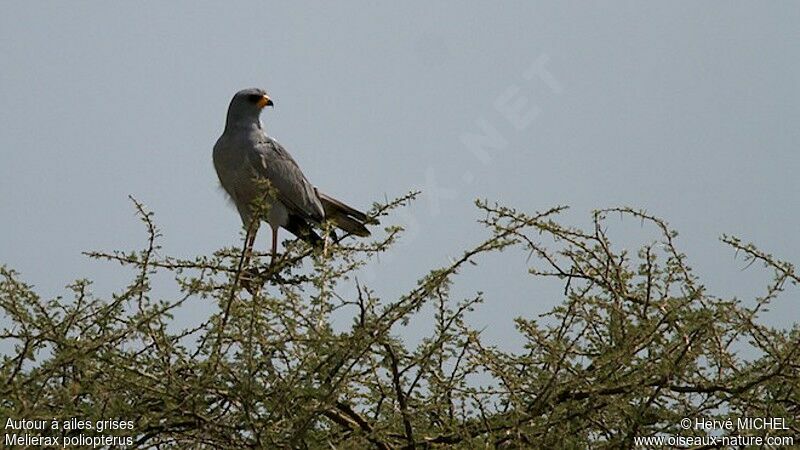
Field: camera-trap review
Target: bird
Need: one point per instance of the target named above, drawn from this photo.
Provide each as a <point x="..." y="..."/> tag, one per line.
<point x="245" y="157"/>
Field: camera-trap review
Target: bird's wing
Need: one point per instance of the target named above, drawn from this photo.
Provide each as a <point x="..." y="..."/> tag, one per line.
<point x="273" y="162"/>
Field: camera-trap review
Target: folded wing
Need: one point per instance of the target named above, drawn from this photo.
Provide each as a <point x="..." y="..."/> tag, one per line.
<point x="273" y="162"/>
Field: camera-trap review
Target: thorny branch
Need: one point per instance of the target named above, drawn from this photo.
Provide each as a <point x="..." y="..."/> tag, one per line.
<point x="635" y="344"/>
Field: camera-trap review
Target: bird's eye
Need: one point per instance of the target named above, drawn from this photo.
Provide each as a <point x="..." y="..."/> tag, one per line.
<point x="254" y="98"/>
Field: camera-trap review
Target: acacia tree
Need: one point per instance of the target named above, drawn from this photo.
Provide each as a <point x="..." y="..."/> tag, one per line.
<point x="635" y="345"/>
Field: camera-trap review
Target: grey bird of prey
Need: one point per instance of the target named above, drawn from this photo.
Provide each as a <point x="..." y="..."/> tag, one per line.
<point x="244" y="157"/>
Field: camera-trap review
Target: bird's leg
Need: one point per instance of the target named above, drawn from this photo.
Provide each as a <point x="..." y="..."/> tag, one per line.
<point x="247" y="275"/>
<point x="274" y="245"/>
<point x="250" y="240"/>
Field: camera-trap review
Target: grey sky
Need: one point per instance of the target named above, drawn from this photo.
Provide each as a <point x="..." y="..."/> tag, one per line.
<point x="687" y="109"/>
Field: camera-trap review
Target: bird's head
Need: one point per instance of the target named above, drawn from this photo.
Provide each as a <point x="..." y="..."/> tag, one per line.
<point x="246" y="105"/>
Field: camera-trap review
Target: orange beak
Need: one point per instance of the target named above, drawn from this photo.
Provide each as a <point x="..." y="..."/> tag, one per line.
<point x="265" y="101"/>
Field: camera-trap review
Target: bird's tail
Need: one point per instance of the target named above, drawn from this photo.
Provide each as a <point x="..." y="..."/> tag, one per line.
<point x="345" y="217"/>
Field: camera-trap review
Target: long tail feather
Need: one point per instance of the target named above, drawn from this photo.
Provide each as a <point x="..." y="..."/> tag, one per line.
<point x="345" y="217"/>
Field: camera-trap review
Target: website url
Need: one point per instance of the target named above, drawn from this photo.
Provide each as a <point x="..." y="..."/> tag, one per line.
<point x="680" y="441"/>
